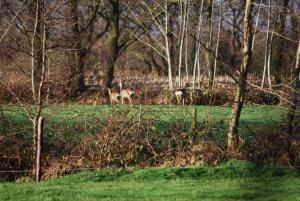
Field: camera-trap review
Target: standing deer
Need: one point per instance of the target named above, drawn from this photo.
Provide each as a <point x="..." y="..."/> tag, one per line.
<point x="127" y="94"/>
<point x="113" y="97"/>
<point x="181" y="95"/>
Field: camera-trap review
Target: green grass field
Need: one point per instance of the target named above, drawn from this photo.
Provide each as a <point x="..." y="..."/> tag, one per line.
<point x="64" y="118"/>
<point x="73" y="113"/>
<point x="234" y="180"/>
<point x="163" y="112"/>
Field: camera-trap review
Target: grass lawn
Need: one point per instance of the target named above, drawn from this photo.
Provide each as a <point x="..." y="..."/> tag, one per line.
<point x="64" y="119"/>
<point x="76" y="112"/>
<point x="234" y="180"/>
<point x="163" y="112"/>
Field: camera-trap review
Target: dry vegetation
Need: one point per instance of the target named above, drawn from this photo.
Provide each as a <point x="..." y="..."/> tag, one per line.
<point x="140" y="140"/>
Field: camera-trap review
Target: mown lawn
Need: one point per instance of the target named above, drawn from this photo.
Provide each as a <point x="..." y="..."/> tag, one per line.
<point x="66" y="118"/>
<point x="75" y="112"/>
<point x="73" y="121"/>
<point x="234" y="180"/>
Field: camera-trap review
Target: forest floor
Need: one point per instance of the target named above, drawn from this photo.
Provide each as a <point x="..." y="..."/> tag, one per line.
<point x="233" y="180"/>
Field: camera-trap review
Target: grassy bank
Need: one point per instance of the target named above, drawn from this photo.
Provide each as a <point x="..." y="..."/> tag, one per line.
<point x="234" y="180"/>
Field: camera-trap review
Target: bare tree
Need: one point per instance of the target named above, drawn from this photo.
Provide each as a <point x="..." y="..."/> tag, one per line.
<point x="113" y="47"/>
<point x="294" y="94"/>
<point x="268" y="49"/>
<point x="208" y="56"/>
<point x="198" y="45"/>
<point x="159" y="15"/>
<point x="279" y="44"/>
<point x="36" y="46"/>
<point x="183" y="11"/>
<point x="218" y="39"/>
<point x="76" y="79"/>
<point x="167" y="49"/>
<point x="256" y="24"/>
<point x="40" y="22"/>
<point x="186" y="42"/>
<point x="241" y="88"/>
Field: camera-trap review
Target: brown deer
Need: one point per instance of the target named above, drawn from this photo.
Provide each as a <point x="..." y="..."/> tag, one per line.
<point x="181" y="95"/>
<point x="127" y="94"/>
<point x="113" y="96"/>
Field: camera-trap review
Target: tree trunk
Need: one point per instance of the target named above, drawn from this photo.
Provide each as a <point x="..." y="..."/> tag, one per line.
<point x="294" y="94"/>
<point x="39" y="39"/>
<point x="171" y="38"/>
<point x="208" y="56"/>
<point x="167" y="48"/>
<point x="76" y="78"/>
<point x="109" y="69"/>
<point x="36" y="46"/>
<point x="218" y="40"/>
<point x="186" y="44"/>
<point x="267" y="51"/>
<point x="197" y="48"/>
<point x="279" y="45"/>
<point x="37" y="56"/>
<point x="241" y="88"/>
<point x="256" y="24"/>
<point x="182" y="34"/>
<point x="235" y="38"/>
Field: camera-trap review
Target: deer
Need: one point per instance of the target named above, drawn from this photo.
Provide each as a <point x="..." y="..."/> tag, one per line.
<point x="127" y="94"/>
<point x="113" y="96"/>
<point x="181" y="95"/>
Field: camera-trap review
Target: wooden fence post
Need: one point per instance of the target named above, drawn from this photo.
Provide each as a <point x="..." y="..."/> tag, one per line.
<point x="40" y="132"/>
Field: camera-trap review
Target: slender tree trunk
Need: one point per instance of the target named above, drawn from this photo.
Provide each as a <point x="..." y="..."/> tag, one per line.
<point x="241" y="88"/>
<point x="113" y="49"/>
<point x="294" y="94"/>
<point x="40" y="73"/>
<point x="182" y="34"/>
<point x="186" y="42"/>
<point x="279" y="45"/>
<point x="36" y="61"/>
<point x="36" y="46"/>
<point x="269" y="61"/>
<point x="235" y="39"/>
<point x="218" y="40"/>
<point x="167" y="48"/>
<point x="208" y="56"/>
<point x="171" y="37"/>
<point x="256" y="24"/>
<point x="197" y="52"/>
<point x="267" y="50"/>
<point x="199" y="74"/>
<point x="76" y="78"/>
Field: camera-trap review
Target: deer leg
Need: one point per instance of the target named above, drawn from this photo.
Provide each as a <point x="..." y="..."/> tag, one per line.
<point x="178" y="100"/>
<point x="111" y="101"/>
